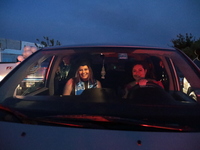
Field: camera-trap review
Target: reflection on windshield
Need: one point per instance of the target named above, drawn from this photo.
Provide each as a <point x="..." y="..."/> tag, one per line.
<point x="34" y="80"/>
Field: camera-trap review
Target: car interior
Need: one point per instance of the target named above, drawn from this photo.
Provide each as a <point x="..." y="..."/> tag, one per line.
<point x="112" y="70"/>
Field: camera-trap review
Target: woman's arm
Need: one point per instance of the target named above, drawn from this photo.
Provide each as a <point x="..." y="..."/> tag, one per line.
<point x="157" y="82"/>
<point x="68" y="87"/>
<point x="98" y="84"/>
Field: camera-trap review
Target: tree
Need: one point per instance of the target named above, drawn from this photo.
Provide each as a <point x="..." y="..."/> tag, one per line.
<point x="47" y="42"/>
<point x="187" y="44"/>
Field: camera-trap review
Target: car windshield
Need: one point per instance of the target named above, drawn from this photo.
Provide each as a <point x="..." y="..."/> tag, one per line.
<point x="40" y="84"/>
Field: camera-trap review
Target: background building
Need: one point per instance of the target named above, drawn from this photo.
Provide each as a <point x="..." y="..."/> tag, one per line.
<point x="11" y="49"/>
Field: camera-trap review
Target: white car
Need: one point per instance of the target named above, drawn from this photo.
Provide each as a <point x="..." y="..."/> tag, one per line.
<point x="5" y="68"/>
<point x="34" y="113"/>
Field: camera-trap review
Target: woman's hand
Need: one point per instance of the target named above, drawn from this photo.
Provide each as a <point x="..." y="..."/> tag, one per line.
<point x="142" y="82"/>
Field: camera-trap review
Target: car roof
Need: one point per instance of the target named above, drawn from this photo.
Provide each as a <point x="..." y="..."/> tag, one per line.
<point x="105" y="46"/>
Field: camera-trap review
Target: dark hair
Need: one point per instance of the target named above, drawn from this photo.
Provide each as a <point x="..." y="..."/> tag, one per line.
<point x="144" y="65"/>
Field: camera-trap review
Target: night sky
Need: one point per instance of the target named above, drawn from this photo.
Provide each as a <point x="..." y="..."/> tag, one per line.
<point x="110" y="22"/>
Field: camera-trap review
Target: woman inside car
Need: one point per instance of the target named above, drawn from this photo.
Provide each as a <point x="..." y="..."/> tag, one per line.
<point x="82" y="80"/>
<point x="139" y="72"/>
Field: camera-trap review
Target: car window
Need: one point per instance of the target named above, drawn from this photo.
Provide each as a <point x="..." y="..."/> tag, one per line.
<point x="35" y="78"/>
<point x="185" y="85"/>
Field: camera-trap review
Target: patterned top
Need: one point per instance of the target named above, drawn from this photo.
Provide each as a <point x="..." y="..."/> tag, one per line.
<point x="82" y="85"/>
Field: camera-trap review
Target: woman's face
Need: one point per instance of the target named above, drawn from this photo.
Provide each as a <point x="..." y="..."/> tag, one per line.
<point x="138" y="72"/>
<point x="84" y="72"/>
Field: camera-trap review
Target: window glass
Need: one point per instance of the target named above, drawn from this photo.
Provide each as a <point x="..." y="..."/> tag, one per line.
<point x="185" y="85"/>
<point x="35" y="79"/>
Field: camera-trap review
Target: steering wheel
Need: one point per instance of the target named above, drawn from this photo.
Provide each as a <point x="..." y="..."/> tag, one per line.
<point x="149" y="84"/>
<point x="152" y="84"/>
